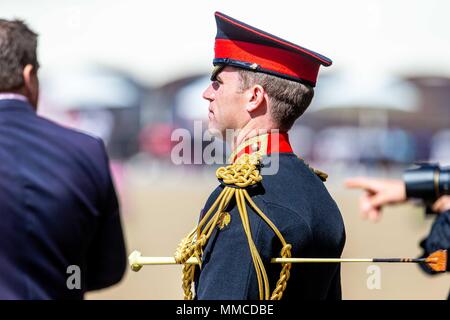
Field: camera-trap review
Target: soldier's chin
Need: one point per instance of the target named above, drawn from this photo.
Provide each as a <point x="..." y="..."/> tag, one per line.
<point x="215" y="132"/>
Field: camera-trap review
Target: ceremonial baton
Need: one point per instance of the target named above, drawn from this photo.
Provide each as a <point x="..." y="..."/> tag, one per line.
<point x="437" y="261"/>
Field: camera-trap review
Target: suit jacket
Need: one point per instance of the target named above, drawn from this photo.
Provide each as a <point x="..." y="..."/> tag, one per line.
<point x="58" y="208"/>
<point x="297" y="202"/>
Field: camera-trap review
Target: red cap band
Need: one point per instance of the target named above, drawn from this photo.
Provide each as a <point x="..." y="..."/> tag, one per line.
<point x="288" y="63"/>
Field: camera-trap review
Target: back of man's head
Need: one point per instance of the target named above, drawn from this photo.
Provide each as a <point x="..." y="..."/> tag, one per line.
<point x="18" y="46"/>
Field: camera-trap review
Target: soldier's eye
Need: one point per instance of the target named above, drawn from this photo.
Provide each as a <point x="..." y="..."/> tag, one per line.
<point x="215" y="84"/>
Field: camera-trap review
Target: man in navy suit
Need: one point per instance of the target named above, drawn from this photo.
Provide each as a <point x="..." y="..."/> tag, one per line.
<point x="60" y="224"/>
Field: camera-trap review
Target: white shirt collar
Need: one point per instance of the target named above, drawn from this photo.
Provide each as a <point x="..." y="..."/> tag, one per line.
<point x="13" y="96"/>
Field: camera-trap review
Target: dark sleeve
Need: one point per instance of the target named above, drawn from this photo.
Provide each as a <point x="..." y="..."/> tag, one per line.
<point x="335" y="290"/>
<point x="107" y="255"/>
<point x="438" y="238"/>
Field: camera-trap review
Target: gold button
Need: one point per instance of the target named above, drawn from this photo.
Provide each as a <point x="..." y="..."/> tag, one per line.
<point x="224" y="220"/>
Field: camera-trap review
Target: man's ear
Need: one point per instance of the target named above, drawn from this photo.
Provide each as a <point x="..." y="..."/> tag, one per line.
<point x="256" y="97"/>
<point x="29" y="76"/>
<point x="31" y="84"/>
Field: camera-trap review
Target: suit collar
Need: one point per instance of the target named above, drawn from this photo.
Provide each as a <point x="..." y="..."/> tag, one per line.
<point x="15" y="104"/>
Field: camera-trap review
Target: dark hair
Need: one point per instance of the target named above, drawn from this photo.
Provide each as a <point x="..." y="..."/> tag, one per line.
<point x="288" y="99"/>
<point x="18" y="45"/>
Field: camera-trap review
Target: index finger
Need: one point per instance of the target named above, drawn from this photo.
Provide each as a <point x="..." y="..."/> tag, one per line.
<point x="360" y="183"/>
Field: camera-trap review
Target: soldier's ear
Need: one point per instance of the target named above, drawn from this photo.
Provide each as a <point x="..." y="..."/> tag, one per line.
<point x="256" y="97"/>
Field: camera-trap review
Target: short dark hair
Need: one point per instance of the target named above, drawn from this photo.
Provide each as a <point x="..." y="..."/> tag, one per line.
<point x="288" y="99"/>
<point x="18" y="46"/>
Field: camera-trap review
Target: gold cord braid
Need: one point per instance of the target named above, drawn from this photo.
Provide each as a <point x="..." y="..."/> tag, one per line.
<point x="285" y="273"/>
<point x="241" y="174"/>
<point x="188" y="277"/>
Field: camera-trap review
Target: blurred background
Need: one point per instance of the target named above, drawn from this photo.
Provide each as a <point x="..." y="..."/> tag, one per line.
<point x="131" y="72"/>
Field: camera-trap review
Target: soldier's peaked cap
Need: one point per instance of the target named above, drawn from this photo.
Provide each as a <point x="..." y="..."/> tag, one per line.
<point x="239" y="45"/>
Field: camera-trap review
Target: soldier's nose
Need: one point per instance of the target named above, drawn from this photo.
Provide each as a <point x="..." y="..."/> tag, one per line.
<point x="208" y="94"/>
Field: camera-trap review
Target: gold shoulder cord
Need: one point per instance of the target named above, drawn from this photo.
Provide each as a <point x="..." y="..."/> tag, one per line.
<point x="238" y="176"/>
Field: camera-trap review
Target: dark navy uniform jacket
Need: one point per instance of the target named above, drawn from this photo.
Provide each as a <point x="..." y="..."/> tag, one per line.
<point x="297" y="202"/>
<point x="437" y="239"/>
<point x="58" y="208"/>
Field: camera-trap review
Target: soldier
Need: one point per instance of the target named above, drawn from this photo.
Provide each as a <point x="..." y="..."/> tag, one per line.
<point x="260" y="85"/>
<point x="59" y="214"/>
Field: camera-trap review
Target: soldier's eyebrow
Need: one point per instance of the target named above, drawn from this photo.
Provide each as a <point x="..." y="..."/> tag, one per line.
<point x="219" y="79"/>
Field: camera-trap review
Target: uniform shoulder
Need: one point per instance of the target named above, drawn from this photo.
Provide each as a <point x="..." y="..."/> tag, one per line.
<point x="287" y="163"/>
<point x="287" y="217"/>
<point x="296" y="187"/>
<point x="290" y="177"/>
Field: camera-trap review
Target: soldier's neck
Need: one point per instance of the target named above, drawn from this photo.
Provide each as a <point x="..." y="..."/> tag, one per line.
<point x="249" y="131"/>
